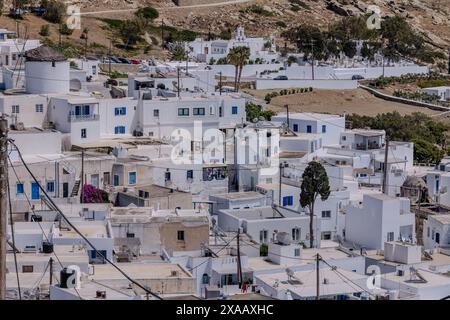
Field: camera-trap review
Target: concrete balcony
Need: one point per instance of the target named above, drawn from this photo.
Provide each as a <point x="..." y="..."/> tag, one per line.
<point x="83" y="117"/>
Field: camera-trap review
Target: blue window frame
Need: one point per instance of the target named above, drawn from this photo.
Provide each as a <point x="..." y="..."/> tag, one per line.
<point x="132" y="177"/>
<point x="234" y="110"/>
<point x="50" y="186"/>
<point x="19" y="188"/>
<point x="324" y="128"/>
<point x="86" y="109"/>
<point x="119" y="130"/>
<point x="288" y="201"/>
<point x="295" y="128"/>
<point x="35" y="194"/>
<point x="77" y="110"/>
<point x="120" y="111"/>
<point x="116" y="180"/>
<point x="308" y="129"/>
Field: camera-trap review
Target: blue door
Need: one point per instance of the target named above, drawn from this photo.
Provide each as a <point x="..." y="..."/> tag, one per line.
<point x="34" y="191"/>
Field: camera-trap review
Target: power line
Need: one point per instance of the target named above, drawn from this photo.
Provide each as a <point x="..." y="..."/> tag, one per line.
<point x="80" y="233"/>
<point x="13" y="237"/>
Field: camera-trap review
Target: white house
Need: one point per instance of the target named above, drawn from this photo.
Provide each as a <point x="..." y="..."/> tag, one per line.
<point x="436" y="231"/>
<point x="329" y="126"/>
<point x="380" y="218"/>
<point x="442" y="92"/>
<point x="11" y="48"/>
<point x="262" y="224"/>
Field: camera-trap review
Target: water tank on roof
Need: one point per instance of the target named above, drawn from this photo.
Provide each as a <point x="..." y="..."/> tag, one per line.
<point x="47" y="247"/>
<point x="283" y="238"/>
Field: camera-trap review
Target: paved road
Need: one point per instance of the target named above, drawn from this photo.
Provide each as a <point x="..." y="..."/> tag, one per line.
<point x="170" y="8"/>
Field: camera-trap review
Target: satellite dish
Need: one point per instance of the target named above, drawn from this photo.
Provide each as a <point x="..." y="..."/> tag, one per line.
<point x="290" y="272"/>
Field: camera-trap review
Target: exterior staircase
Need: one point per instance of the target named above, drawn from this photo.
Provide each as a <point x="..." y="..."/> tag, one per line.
<point x="76" y="188"/>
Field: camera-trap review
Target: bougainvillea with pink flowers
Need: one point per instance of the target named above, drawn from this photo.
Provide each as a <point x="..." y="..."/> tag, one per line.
<point x="91" y="194"/>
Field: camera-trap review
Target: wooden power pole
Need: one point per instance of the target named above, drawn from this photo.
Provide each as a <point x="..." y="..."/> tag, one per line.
<point x="386" y="153"/>
<point x="318" y="277"/>
<point x="239" y="266"/>
<point x="3" y="202"/>
<point x="82" y="176"/>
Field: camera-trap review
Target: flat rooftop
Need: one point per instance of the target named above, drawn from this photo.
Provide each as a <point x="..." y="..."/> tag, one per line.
<point x="156" y="191"/>
<point x="367" y="132"/>
<point x="239" y="195"/>
<point x="432" y="279"/>
<point x="92" y="229"/>
<point x="139" y="271"/>
<point x="148" y="214"/>
<point x="263" y="213"/>
<point x="308" y="116"/>
<point x="441" y="218"/>
<point x="303" y="283"/>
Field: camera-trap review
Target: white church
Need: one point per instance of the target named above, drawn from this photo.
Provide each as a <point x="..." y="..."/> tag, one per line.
<point x="204" y="51"/>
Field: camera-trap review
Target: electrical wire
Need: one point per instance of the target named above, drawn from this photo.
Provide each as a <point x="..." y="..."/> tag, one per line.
<point x="80" y="233"/>
<point x="13" y="237"/>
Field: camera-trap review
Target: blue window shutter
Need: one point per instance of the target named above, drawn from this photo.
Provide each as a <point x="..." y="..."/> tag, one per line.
<point x="124" y="110"/>
<point x="19" y="188"/>
<point x="116" y="130"/>
<point x="324" y="128"/>
<point x="116" y="111"/>
<point x="123" y="129"/>
<point x="284" y="201"/>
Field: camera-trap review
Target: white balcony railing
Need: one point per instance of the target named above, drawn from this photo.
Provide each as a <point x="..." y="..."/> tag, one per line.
<point x="83" y="117"/>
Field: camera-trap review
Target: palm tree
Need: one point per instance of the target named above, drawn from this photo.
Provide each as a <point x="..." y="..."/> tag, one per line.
<point x="244" y="55"/>
<point x="233" y="58"/>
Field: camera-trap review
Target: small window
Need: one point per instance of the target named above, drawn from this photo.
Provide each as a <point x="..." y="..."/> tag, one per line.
<point x="27" y="269"/>
<point x="428" y="232"/>
<point x="297" y="252"/>
<point x="19" y="188"/>
<point x="50" y="186"/>
<point x="183" y="112"/>
<point x="83" y="134"/>
<point x="156" y="113"/>
<point x="295" y="127"/>
<point x="326" y="214"/>
<point x="132" y="177"/>
<point x="324" y="128"/>
<point x="234" y="110"/>
<point x="53" y="64"/>
<point x="167" y="176"/>
<point x="326" y="235"/>
<point x="288" y="201"/>
<point x="15" y="109"/>
<point x="344" y="138"/>
<point x="180" y="235"/>
<point x="309" y="129"/>
<point x="190" y="174"/>
<point x="390" y="236"/>
<point x="39" y="108"/>
<point x="120" y="111"/>
<point x="296" y="234"/>
<point x="119" y="130"/>
<point x="198" y="111"/>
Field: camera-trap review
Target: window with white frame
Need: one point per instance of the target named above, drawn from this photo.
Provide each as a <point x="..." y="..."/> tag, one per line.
<point x="390" y="236"/>
<point x="15" y="108"/>
<point x="296" y="234"/>
<point x="40" y="108"/>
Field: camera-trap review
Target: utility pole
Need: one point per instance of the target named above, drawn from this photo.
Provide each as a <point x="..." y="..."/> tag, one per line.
<point x="3" y="202"/>
<point x="109" y="58"/>
<point x="239" y="267"/>
<point x="51" y="270"/>
<point x="318" y="277"/>
<point x="279" y="185"/>
<point x="178" y="76"/>
<point x="386" y="153"/>
<point x="162" y="33"/>
<point x="220" y="83"/>
<point x="287" y="114"/>
<point x="82" y="175"/>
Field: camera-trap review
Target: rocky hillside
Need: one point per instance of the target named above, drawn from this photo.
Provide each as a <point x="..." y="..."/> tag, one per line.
<point x="263" y="17"/>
